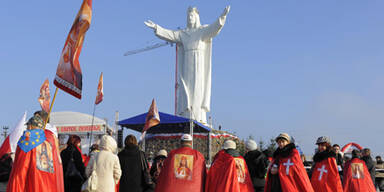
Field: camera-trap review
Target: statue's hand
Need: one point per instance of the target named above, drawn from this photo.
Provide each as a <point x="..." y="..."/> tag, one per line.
<point x="150" y="24"/>
<point x="226" y="11"/>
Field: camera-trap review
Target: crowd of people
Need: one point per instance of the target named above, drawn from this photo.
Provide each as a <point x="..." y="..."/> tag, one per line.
<point x="39" y="165"/>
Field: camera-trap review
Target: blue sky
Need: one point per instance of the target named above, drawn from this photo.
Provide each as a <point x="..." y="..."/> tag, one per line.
<point x="309" y="68"/>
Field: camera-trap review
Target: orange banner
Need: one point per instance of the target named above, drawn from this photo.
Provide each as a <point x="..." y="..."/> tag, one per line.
<point x="100" y="92"/>
<point x="68" y="74"/>
<point x="45" y="97"/>
<point x="153" y="117"/>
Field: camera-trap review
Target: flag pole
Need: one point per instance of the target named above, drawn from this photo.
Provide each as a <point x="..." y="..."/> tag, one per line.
<point x="50" y="108"/>
<point x="93" y="118"/>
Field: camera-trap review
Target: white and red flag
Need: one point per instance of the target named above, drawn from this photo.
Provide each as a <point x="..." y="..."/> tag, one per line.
<point x="10" y="143"/>
<point x="100" y="92"/>
<point x="152" y="118"/>
<point x="45" y="96"/>
<point x="68" y="75"/>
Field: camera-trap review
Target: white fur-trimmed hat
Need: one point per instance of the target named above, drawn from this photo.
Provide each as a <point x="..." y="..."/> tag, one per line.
<point x="229" y="144"/>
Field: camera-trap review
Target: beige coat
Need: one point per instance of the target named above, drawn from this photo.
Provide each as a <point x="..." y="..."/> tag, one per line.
<point x="107" y="165"/>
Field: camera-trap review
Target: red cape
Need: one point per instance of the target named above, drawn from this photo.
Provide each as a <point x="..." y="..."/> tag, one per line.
<point x="183" y="170"/>
<point x="357" y="177"/>
<point x="296" y="179"/>
<point x="228" y="174"/>
<point x="27" y="176"/>
<point x="325" y="176"/>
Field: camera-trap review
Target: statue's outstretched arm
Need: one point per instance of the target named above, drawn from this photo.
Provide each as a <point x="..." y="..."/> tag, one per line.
<point x="165" y="34"/>
<point x="150" y="24"/>
<point x="213" y="29"/>
<point x="226" y="11"/>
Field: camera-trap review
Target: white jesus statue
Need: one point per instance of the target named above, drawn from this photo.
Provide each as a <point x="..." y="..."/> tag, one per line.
<point x="193" y="83"/>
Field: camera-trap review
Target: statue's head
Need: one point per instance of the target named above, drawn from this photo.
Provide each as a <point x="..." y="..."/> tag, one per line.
<point x="193" y="18"/>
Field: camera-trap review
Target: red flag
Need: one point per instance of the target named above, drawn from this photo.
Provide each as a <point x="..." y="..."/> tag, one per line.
<point x="10" y="143"/>
<point x="45" y="96"/>
<point x="153" y="117"/>
<point x="68" y="74"/>
<point x="100" y="92"/>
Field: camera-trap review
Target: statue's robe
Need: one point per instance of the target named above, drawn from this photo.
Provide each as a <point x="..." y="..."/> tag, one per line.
<point x="193" y="89"/>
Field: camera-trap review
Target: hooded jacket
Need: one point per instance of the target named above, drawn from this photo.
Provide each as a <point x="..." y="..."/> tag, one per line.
<point x="107" y="165"/>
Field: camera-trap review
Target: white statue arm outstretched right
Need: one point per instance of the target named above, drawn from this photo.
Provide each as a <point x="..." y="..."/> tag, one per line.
<point x="165" y="34"/>
<point x="213" y="29"/>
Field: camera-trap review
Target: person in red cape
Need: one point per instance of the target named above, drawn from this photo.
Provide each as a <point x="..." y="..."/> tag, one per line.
<point x="325" y="175"/>
<point x="183" y="169"/>
<point x="356" y="175"/>
<point x="229" y="171"/>
<point x="286" y="172"/>
<point x="37" y="165"/>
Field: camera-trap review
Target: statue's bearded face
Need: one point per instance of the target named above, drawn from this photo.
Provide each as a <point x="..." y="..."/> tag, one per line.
<point x="193" y="20"/>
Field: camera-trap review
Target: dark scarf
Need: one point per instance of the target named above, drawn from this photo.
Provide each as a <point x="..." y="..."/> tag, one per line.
<point x="285" y="151"/>
<point x="232" y="152"/>
<point x="319" y="156"/>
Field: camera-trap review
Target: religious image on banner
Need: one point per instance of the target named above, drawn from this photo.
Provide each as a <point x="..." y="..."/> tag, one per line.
<point x="240" y="170"/>
<point x="100" y="92"/>
<point x="45" y="97"/>
<point x="357" y="170"/>
<point x="68" y="74"/>
<point x="44" y="157"/>
<point x="183" y="166"/>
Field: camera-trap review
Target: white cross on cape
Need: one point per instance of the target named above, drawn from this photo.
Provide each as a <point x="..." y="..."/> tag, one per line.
<point x="322" y="170"/>
<point x="288" y="164"/>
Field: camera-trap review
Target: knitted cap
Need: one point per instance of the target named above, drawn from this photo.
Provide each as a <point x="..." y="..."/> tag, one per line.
<point x="251" y="145"/>
<point x="229" y="144"/>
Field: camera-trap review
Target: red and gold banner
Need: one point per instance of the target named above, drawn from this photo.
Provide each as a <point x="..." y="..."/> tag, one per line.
<point x="100" y="92"/>
<point x="45" y="97"/>
<point x="68" y="74"/>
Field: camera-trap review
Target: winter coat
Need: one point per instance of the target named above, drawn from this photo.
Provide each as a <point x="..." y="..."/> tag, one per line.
<point x="379" y="165"/>
<point x="257" y="165"/>
<point x="156" y="167"/>
<point x="73" y="185"/>
<point x="107" y="165"/>
<point x="130" y="162"/>
<point x="371" y="166"/>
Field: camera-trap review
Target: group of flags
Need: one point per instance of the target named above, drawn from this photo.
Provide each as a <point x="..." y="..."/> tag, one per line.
<point x="69" y="79"/>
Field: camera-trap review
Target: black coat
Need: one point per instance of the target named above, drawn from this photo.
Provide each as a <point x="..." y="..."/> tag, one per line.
<point x="132" y="173"/>
<point x="72" y="185"/>
<point x="257" y="164"/>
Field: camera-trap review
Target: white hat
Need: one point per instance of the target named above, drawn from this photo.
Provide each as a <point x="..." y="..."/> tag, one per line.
<point x="229" y="144"/>
<point x="251" y="145"/>
<point x="186" y="137"/>
<point x="162" y="152"/>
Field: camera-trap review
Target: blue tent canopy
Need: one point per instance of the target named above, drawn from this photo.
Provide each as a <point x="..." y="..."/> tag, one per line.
<point x="168" y="124"/>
